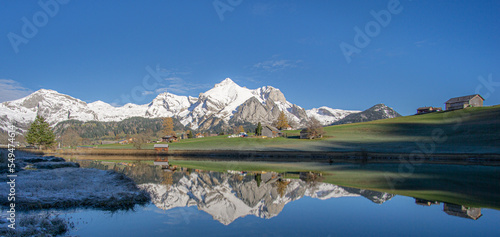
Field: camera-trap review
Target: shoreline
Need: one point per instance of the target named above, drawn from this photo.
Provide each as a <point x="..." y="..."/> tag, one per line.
<point x="289" y="156"/>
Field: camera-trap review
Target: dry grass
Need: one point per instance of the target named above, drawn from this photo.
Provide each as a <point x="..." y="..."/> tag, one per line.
<point x="44" y="224"/>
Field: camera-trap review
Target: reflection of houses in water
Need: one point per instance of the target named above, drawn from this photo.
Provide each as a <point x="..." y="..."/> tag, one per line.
<point x="453" y="209"/>
<point x="462" y="211"/>
<point x="237" y="172"/>
<point x="425" y="202"/>
<point x="163" y="163"/>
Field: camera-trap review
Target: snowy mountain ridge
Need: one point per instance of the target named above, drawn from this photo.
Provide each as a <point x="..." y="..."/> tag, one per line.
<point x="215" y="107"/>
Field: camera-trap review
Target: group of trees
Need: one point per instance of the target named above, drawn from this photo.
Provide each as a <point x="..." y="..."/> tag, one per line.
<point x="280" y="123"/>
<point x="111" y="130"/>
<point x="167" y="129"/>
<point x="314" y="127"/>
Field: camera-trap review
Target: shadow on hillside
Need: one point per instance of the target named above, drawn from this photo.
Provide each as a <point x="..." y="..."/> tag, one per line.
<point x="418" y="147"/>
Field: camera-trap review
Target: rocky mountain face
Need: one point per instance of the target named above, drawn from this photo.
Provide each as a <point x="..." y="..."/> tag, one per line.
<point x="228" y="197"/>
<point x="222" y="106"/>
<point x="379" y="111"/>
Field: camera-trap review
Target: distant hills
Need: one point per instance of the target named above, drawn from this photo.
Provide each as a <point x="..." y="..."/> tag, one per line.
<point x="379" y="111"/>
<point x="224" y="106"/>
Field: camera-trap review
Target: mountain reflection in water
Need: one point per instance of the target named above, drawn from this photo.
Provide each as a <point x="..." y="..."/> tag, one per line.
<point x="227" y="196"/>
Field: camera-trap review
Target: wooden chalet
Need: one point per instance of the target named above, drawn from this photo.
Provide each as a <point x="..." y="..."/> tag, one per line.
<point x="304" y="134"/>
<point x="464" y="102"/>
<point x="161" y="147"/>
<point x="270" y="131"/>
<point x="169" y="138"/>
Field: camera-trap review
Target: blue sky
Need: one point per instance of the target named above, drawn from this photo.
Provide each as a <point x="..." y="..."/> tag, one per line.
<point x="427" y="52"/>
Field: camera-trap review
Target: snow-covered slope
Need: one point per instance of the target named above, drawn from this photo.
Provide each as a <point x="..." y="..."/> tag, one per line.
<point x="226" y="103"/>
<point x="327" y="116"/>
<point x="221" y="103"/>
<point x="50" y="104"/>
<point x="105" y="112"/>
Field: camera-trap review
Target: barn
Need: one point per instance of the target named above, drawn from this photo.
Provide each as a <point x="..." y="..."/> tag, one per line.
<point x="464" y="102"/>
<point x="161" y="147"/>
<point x="270" y="131"/>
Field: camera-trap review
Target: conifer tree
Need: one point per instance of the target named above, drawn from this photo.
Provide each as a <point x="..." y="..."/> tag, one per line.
<point x="40" y="134"/>
<point x="258" y="130"/>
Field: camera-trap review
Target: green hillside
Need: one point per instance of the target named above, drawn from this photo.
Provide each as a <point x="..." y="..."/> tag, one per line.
<point x="472" y="130"/>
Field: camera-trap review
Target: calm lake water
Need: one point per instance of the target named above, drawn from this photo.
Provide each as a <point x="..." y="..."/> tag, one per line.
<point x="216" y="198"/>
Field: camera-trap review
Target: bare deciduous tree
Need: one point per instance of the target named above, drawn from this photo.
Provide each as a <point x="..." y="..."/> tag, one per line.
<point x="138" y="141"/>
<point x="314" y="129"/>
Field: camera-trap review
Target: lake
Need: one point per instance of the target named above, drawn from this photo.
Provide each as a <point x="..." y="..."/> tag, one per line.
<point x="243" y="198"/>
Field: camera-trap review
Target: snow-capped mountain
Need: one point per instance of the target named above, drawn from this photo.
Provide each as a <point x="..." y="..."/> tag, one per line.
<point x="228" y="197"/>
<point x="327" y="116"/>
<point x="222" y="105"/>
<point x="50" y="104"/>
<point x="376" y="112"/>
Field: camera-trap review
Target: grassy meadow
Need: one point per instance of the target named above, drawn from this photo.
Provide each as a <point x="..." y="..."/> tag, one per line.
<point x="472" y="130"/>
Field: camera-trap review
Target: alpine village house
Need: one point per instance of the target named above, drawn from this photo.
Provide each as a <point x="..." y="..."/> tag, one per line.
<point x="464" y="102"/>
<point x="461" y="102"/>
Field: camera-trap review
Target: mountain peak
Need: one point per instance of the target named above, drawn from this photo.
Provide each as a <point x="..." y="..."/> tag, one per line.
<point x="100" y="104"/>
<point x="376" y="112"/>
<point x="226" y="82"/>
<point x="46" y="91"/>
<point x="162" y="95"/>
<point x="379" y="107"/>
